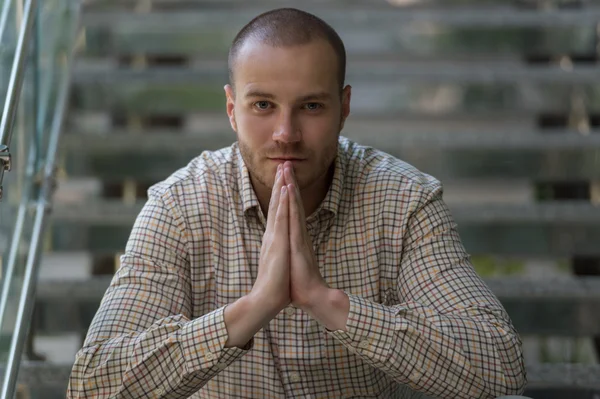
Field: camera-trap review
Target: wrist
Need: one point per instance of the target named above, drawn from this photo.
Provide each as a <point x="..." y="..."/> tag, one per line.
<point x="263" y="306"/>
<point x="317" y="298"/>
<point x="329" y="307"/>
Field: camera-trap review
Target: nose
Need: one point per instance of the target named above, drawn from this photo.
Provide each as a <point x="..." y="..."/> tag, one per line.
<point x="286" y="129"/>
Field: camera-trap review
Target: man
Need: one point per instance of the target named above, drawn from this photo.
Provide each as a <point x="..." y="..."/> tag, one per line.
<point x="296" y="263"/>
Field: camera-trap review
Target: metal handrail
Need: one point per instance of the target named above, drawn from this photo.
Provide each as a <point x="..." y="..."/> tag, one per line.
<point x="17" y="73"/>
<point x="4" y="18"/>
<point x="15" y="84"/>
<point x="42" y="204"/>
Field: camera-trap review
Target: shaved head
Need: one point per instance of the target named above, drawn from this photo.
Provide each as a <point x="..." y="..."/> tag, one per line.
<point x="287" y="27"/>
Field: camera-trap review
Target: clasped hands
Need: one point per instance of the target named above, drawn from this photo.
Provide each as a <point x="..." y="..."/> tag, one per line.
<point x="288" y="271"/>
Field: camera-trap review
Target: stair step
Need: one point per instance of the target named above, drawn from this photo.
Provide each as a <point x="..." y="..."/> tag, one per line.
<point x="578" y="379"/>
<point x="545" y="229"/>
<point x="132" y="92"/>
<point x="367" y="28"/>
<point x="561" y="306"/>
<point x="381" y="16"/>
<point x="405" y="5"/>
<point x="445" y="155"/>
<point x="123" y="141"/>
<point x="100" y="123"/>
<point x="370" y="71"/>
<point x="411" y="40"/>
<point x="115" y="212"/>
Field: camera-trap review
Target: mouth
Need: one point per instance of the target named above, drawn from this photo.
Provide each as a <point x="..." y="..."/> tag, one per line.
<point x="294" y="160"/>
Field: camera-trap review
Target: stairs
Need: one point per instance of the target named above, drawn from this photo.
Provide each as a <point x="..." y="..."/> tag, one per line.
<point x="500" y="101"/>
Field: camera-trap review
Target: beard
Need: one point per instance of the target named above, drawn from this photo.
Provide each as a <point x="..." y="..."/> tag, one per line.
<point x="307" y="173"/>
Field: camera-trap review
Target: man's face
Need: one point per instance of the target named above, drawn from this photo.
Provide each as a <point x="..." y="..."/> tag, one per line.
<point x="287" y="105"/>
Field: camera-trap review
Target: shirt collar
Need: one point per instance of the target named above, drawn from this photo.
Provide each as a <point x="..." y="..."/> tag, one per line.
<point x="249" y="198"/>
<point x="330" y="203"/>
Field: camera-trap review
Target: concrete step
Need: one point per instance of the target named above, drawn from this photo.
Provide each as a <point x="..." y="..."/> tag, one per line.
<point x="368" y="70"/>
<point x="103" y="122"/>
<point x="181" y="90"/>
<point x="367" y="27"/>
<point x="574" y="380"/>
<point x="577" y="381"/>
<point x="445" y="155"/>
<point x="407" y="5"/>
<point x="380" y="14"/>
<point x="117" y="213"/>
<point x="554" y="229"/>
<point x="561" y="306"/>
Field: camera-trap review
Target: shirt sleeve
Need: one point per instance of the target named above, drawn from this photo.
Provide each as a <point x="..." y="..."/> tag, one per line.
<point x="450" y="337"/>
<point x="143" y="341"/>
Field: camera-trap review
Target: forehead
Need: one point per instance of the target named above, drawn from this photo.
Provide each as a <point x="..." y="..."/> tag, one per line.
<point x="288" y="69"/>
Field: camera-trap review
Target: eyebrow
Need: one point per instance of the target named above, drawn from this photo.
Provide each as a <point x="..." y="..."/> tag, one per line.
<point x="316" y="96"/>
<point x="309" y="97"/>
<point x="256" y="93"/>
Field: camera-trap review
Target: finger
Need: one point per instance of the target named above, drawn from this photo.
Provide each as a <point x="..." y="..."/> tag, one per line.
<point x="291" y="180"/>
<point x="275" y="195"/>
<point x="296" y="223"/>
<point x="282" y="218"/>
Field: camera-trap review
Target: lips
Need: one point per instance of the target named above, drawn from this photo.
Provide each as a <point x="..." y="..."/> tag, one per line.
<point x="286" y="159"/>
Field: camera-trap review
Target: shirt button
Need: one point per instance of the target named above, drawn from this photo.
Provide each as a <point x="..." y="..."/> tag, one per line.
<point x="295" y="377"/>
<point x="290" y="311"/>
<point x="209" y="356"/>
<point x="415" y="376"/>
<point x="364" y="344"/>
<point x="159" y="392"/>
<point x="221" y="366"/>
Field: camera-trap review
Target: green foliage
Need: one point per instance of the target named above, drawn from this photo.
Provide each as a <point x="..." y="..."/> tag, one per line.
<point x="490" y="266"/>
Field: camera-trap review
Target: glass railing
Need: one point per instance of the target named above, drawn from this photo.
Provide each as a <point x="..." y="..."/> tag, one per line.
<point x="36" y="47"/>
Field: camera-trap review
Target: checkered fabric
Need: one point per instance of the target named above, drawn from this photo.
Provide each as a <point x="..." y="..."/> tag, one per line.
<point x="421" y="323"/>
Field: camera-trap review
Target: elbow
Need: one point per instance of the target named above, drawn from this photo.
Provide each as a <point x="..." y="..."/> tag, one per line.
<point x="517" y="379"/>
<point x="513" y="373"/>
<point x="512" y="382"/>
<point x="77" y="378"/>
<point x="80" y="377"/>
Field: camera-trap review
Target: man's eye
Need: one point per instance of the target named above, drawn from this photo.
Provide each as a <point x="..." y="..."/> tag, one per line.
<point x="262" y="105"/>
<point x="313" y="106"/>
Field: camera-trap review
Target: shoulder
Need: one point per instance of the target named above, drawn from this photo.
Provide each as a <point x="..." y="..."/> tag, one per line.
<point x="372" y="169"/>
<point x="204" y="176"/>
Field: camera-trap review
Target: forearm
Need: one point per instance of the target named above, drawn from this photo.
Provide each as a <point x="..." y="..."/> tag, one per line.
<point x="446" y="356"/>
<point x="245" y="317"/>
<point x="180" y="355"/>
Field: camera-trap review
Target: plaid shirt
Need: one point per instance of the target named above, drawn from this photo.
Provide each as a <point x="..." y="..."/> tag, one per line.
<point x="421" y="319"/>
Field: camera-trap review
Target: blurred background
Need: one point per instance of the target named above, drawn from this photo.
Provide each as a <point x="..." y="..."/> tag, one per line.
<point x="500" y="100"/>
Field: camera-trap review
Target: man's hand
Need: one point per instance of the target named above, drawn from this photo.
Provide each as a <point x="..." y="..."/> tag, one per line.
<point x="308" y="289"/>
<point x="272" y="285"/>
<point x="306" y="280"/>
<point x="271" y="290"/>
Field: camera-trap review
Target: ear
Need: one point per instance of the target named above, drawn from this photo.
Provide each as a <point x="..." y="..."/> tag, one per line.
<point x="346" y="94"/>
<point x="231" y="106"/>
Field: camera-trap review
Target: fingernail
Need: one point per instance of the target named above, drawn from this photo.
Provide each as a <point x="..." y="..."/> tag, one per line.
<point x="283" y="190"/>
